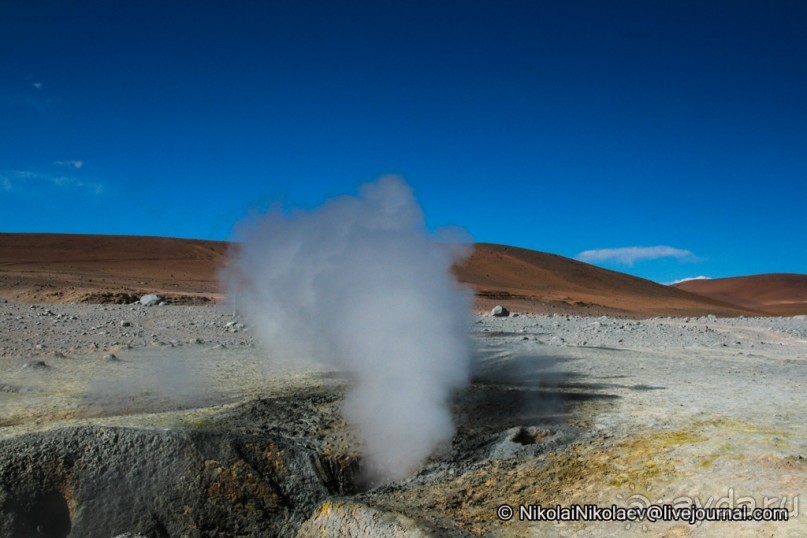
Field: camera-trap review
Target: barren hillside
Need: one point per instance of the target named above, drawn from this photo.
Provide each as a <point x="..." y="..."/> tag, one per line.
<point x="781" y="294"/>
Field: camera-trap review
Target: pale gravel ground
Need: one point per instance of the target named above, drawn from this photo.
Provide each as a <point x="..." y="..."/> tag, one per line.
<point x="40" y="331"/>
<point x="734" y="389"/>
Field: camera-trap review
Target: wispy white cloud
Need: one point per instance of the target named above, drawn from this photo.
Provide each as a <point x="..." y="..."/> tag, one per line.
<point x="37" y="85"/>
<point x="71" y="164"/>
<point x="74" y="183"/>
<point x="701" y="277"/>
<point x="630" y="255"/>
<point x="26" y="181"/>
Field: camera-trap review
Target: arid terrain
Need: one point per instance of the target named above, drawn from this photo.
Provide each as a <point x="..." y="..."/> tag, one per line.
<point x="133" y="420"/>
<point x="777" y="294"/>
<point x="539" y="282"/>
<point x="53" y="268"/>
<point x="128" y="399"/>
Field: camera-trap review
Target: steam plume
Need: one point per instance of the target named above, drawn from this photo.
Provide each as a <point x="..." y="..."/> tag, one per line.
<point x="360" y="285"/>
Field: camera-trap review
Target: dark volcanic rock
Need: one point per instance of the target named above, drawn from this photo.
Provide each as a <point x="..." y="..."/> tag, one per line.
<point x="108" y="297"/>
<point x="100" y="481"/>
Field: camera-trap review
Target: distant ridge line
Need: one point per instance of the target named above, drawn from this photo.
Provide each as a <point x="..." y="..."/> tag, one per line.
<point x="42" y="267"/>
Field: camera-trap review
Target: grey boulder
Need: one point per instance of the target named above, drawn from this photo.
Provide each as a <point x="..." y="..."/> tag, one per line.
<point x="150" y="300"/>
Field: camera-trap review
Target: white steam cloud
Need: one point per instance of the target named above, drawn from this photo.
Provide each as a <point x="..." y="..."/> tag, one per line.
<point x="359" y="284"/>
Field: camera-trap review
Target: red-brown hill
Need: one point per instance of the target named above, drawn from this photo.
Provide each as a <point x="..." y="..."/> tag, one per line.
<point x="65" y="268"/>
<point x="523" y="279"/>
<point x="780" y="293"/>
<point x="97" y="268"/>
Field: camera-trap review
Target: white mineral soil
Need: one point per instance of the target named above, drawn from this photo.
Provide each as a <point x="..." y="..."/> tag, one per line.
<point x="562" y="409"/>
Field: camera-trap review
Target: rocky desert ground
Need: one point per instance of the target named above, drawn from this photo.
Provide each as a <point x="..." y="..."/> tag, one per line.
<point x="127" y="420"/>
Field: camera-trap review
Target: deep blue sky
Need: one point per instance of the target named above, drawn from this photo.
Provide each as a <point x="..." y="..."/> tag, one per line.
<point x="559" y="126"/>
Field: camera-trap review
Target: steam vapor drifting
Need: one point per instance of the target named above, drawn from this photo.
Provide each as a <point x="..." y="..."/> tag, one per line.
<point x="361" y="286"/>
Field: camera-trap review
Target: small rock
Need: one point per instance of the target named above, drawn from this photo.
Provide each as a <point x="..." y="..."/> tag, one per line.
<point x="110" y="357"/>
<point x="150" y="300"/>
<point x="36" y="365"/>
<point x="499" y="311"/>
<point x="125" y="323"/>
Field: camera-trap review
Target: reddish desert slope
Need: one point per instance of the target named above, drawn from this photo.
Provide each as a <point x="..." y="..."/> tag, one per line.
<point x="63" y="268"/>
<point x="97" y="268"/>
<point x="782" y="293"/>
<point x="529" y="280"/>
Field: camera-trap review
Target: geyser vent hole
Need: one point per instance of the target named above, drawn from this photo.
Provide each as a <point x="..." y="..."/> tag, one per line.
<point x="529" y="436"/>
<point x="49" y="516"/>
<point x="341" y="474"/>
